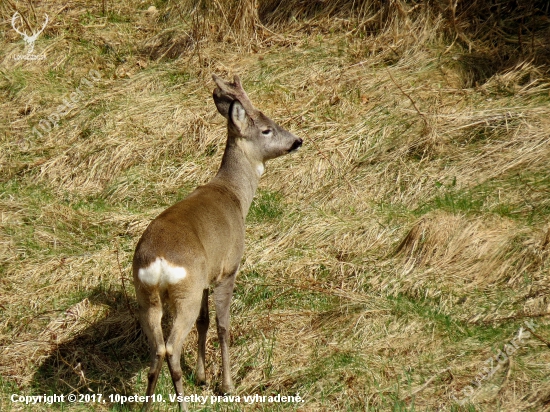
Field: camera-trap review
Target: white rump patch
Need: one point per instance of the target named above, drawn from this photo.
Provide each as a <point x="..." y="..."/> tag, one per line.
<point x="161" y="273"/>
<point x="260" y="168"/>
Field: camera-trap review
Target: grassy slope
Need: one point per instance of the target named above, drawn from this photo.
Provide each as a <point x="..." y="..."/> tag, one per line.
<point x="385" y="262"/>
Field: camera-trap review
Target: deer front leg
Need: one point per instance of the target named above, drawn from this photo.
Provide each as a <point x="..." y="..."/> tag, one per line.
<point x="223" y="292"/>
<point x="202" y="328"/>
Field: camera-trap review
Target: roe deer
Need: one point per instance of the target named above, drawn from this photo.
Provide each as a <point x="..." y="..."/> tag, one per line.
<point x="199" y="241"/>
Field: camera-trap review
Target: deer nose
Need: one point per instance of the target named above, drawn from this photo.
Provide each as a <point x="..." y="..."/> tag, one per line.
<point x="297" y="143"/>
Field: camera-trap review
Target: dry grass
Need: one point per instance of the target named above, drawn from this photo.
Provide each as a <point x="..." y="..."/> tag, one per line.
<point x="385" y="262"/>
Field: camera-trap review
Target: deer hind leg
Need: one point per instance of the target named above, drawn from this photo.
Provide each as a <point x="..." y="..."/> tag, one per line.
<point x="186" y="311"/>
<point x="150" y="314"/>
<point x="223" y="292"/>
<point x="202" y="328"/>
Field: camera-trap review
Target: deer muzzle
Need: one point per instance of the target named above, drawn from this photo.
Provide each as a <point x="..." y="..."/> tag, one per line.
<point x="296" y="145"/>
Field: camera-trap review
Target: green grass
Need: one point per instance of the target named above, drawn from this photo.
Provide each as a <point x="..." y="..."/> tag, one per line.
<point x="13" y="82"/>
<point x="266" y="206"/>
<point x="519" y="196"/>
<point x="177" y="77"/>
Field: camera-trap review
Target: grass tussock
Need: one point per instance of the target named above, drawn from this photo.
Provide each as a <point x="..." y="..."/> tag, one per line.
<point x="386" y="262"/>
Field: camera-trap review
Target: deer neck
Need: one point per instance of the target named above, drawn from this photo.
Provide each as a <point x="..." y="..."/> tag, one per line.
<point x="239" y="173"/>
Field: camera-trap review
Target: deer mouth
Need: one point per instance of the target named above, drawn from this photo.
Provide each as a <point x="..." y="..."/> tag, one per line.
<point x="295" y="146"/>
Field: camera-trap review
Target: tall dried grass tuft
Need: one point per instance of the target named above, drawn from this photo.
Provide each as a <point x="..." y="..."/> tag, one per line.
<point x="231" y="21"/>
<point x="494" y="34"/>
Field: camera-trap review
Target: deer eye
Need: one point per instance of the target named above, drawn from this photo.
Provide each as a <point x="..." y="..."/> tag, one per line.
<point x="266" y="132"/>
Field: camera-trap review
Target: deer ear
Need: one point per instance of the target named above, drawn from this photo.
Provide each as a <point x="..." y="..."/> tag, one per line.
<point x="237" y="115"/>
<point x="223" y="102"/>
<point x="226" y="93"/>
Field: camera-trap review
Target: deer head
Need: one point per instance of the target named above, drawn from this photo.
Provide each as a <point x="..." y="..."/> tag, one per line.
<point x="261" y="137"/>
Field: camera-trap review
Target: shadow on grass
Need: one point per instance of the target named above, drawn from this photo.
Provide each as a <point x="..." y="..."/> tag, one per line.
<point x="103" y="358"/>
<point x="478" y="67"/>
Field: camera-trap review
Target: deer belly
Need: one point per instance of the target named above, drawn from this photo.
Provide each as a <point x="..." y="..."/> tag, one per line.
<point x="161" y="273"/>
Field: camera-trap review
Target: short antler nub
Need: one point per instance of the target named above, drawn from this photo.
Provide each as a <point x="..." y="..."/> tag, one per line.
<point x="227" y="92"/>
